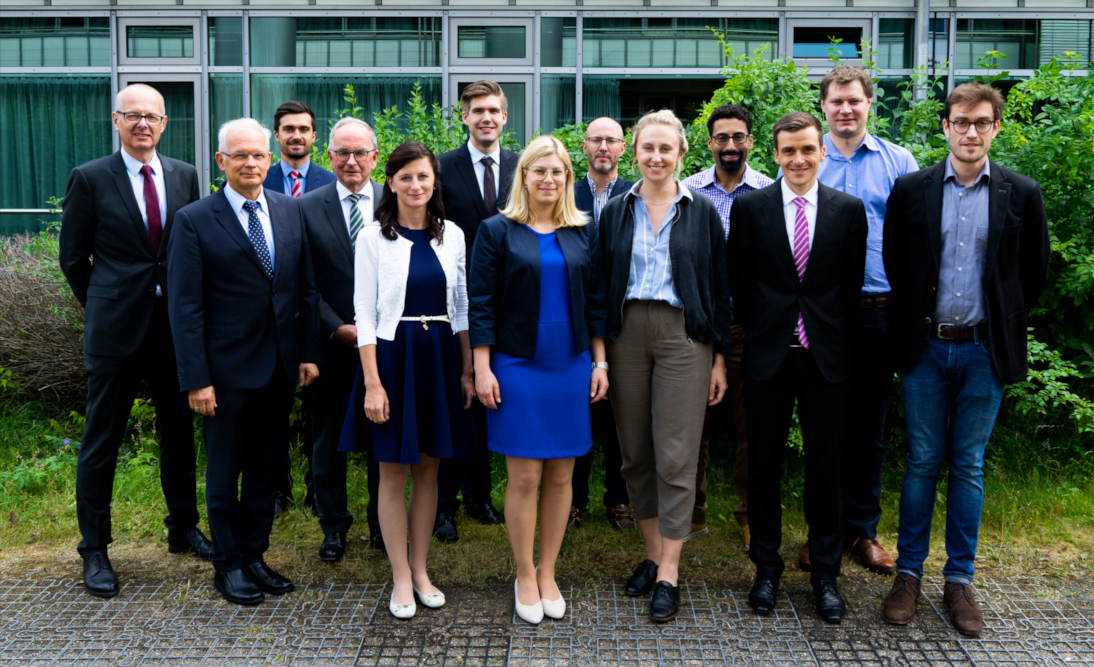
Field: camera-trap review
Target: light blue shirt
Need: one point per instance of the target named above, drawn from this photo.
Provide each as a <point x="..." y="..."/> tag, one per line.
<point x="651" y="265"/>
<point x="964" y="253"/>
<point x="237" y="201"/>
<point x="286" y="169"/>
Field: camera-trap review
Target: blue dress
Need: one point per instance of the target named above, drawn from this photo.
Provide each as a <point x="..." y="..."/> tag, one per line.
<point x="420" y="371"/>
<point x="544" y="411"/>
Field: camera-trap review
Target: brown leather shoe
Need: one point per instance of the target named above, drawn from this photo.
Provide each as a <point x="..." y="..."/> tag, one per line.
<point x="899" y="605"/>
<point x="873" y="556"/>
<point x="576" y="516"/>
<point x="621" y="517"/>
<point x="803" y="559"/>
<point x="746" y="535"/>
<point x="964" y="611"/>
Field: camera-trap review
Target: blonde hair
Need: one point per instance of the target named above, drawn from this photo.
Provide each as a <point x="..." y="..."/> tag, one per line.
<point x="519" y="206"/>
<point x="668" y="119"/>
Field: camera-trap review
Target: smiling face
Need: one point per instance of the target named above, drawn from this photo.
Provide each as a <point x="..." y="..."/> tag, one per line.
<point x="847" y="109"/>
<point x="485" y="120"/>
<point x="971" y="147"/>
<point x="244" y="174"/>
<point x="296" y="135"/>
<point x="413" y="184"/>
<point x="139" y="137"/>
<point x="732" y="156"/>
<point x="546" y="193"/>
<point x="657" y="149"/>
<point x="799" y="154"/>
<point x="352" y="173"/>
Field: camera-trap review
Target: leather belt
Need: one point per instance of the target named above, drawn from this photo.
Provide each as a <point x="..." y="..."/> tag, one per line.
<point x="955" y="333"/>
<point x="874" y="301"/>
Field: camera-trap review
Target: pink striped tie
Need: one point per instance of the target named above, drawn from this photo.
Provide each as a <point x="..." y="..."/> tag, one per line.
<point x="801" y="257"/>
<point x="297" y="190"/>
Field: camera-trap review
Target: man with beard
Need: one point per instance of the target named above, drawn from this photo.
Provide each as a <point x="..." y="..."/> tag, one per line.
<point x="730" y="138"/>
<point x="603" y="146"/>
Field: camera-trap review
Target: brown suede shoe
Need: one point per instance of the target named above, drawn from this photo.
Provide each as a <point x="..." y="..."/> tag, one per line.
<point x="899" y="605"/>
<point x="621" y="517"/>
<point x="803" y="559"/>
<point x="964" y="611"/>
<point x="576" y="516"/>
<point x="873" y="556"/>
<point x="746" y="535"/>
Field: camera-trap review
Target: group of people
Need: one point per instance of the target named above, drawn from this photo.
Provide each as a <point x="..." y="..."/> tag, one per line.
<point x="483" y="301"/>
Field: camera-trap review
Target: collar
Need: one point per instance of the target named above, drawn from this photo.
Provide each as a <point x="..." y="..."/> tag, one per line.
<point x="133" y="166"/>
<point x="869" y="141"/>
<point x="607" y="188"/>
<point x="684" y="192"/>
<point x="477" y="155"/>
<point x="708" y="177"/>
<point x="984" y="173"/>
<point x="237" y="200"/>
<point x="789" y="195"/>
<point x="343" y="191"/>
<point x="302" y="169"/>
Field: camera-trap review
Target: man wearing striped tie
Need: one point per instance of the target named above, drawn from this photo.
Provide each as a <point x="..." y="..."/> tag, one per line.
<point x="797" y="255"/>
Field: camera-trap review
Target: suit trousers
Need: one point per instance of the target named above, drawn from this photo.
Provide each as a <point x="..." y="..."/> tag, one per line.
<point x="822" y="411"/>
<point x="328" y="409"/>
<point x="715" y="417"/>
<point x="284" y="491"/>
<point x="112" y="385"/>
<point x="247" y="436"/>
<point x="615" y="487"/>
<point x="470" y="475"/>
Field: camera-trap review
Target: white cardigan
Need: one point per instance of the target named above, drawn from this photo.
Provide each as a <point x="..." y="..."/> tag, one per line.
<point x="380" y="272"/>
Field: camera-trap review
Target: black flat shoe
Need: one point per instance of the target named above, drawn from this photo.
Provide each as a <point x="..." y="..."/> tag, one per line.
<point x="333" y="547"/>
<point x="643" y="579"/>
<point x="444" y="528"/>
<point x="267" y="579"/>
<point x="189" y="542"/>
<point x="237" y="588"/>
<point x="830" y="605"/>
<point x="485" y="514"/>
<point x="762" y="596"/>
<point x="664" y="602"/>
<point x="99" y="577"/>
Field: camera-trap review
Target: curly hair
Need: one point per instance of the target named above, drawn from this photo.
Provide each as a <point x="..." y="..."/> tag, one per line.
<point x="387" y="209"/>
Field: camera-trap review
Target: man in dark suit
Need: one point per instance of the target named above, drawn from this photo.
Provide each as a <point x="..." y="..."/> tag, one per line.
<point x="245" y="321"/>
<point x="476" y="180"/>
<point x="797" y="258"/>
<point x="333" y="216"/>
<point x="966" y="249"/>
<point x="603" y="146"/>
<point x="117" y="218"/>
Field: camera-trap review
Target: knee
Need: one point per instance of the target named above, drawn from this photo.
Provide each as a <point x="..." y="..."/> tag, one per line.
<point x="525" y="482"/>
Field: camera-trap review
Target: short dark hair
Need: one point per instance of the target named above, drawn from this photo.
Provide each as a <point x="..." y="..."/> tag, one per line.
<point x="482" y="88"/>
<point x="387" y="209"/>
<point x="289" y="108"/>
<point x="845" y="74"/>
<point x="729" y="111"/>
<point x="972" y="94"/>
<point x="794" y="121"/>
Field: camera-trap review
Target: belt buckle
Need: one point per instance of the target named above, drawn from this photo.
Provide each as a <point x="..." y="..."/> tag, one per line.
<point x="425" y="323"/>
<point x="938" y="330"/>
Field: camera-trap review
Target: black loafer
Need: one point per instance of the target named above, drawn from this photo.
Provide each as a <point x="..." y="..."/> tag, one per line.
<point x="189" y="542"/>
<point x="237" y="588"/>
<point x="643" y="579"/>
<point x="664" y="602"/>
<point x="444" y="528"/>
<point x="267" y="579"/>
<point x="762" y="596"/>
<point x="830" y="605"/>
<point x="99" y="577"/>
<point x="333" y="547"/>
<point x="485" y="514"/>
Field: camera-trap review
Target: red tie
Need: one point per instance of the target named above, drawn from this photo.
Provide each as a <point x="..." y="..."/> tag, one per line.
<point x="152" y="208"/>
<point x="297" y="190"/>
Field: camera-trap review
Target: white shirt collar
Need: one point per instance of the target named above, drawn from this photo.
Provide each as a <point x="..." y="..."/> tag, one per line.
<point x="366" y="192"/>
<point x="477" y="155"/>
<point x="133" y="165"/>
<point x="789" y="195"/>
<point x="237" y="200"/>
<point x="684" y="192"/>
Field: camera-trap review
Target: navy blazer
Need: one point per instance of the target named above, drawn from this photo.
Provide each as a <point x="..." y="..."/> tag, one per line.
<point x="317" y="178"/>
<point x="504" y="286"/>
<point x="583" y="196"/>
<point x="463" y="202"/>
<point x="229" y="321"/>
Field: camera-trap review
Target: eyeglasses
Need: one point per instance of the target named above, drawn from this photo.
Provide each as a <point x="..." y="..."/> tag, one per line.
<point x="360" y="156"/>
<point x="722" y="139"/>
<point x="537" y="174"/>
<point x="983" y="126"/>
<point x="243" y="157"/>
<point x="133" y="118"/>
<point x="611" y="141"/>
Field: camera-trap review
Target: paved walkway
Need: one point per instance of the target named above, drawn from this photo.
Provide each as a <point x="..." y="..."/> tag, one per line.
<point x="1030" y="622"/>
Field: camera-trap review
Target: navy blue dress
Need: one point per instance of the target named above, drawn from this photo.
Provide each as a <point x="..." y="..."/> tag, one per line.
<point x="420" y="370"/>
<point x="544" y="411"/>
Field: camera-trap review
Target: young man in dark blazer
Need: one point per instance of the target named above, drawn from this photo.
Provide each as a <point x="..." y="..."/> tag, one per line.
<point x="797" y="256"/>
<point x="245" y="320"/>
<point x="476" y="179"/>
<point x="117" y="219"/>
<point x="966" y="249"/>
<point x="295" y="175"/>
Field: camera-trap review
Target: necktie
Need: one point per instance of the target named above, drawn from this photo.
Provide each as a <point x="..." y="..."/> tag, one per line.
<point x="152" y="208"/>
<point x="258" y="238"/>
<point x="356" y="220"/>
<point x="297" y="189"/>
<point x="489" y="186"/>
<point x="801" y="257"/>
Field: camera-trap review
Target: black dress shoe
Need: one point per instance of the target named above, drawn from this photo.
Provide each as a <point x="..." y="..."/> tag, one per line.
<point x="485" y="514"/>
<point x="830" y="604"/>
<point x="333" y="547"/>
<point x="643" y="579"/>
<point x="189" y="542"/>
<point x="99" y="577"/>
<point x="266" y="578"/>
<point x="762" y="596"/>
<point x="281" y="505"/>
<point x="444" y="528"/>
<point x="237" y="588"/>
<point x="664" y="602"/>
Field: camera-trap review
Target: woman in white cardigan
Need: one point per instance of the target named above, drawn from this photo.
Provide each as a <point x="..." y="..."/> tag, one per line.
<point x="410" y="297"/>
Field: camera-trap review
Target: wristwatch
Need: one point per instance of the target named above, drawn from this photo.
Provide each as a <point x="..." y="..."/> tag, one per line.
<point x="600" y="364"/>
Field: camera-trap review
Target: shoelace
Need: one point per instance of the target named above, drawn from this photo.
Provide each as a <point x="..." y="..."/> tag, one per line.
<point x="962" y="591"/>
<point x="902" y="584"/>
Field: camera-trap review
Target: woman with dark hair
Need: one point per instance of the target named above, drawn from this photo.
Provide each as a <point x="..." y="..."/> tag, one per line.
<point x="410" y="297"/>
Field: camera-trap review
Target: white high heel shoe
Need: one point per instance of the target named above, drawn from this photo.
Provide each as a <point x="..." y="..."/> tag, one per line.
<point x="532" y="613"/>
<point x="431" y="600"/>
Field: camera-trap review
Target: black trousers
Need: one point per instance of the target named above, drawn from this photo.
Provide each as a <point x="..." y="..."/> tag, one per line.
<point x="112" y="385"/>
<point x="307" y="399"/>
<point x="470" y="475"/>
<point x="248" y="437"/>
<point x="615" y="487"/>
<point x="822" y="411"/>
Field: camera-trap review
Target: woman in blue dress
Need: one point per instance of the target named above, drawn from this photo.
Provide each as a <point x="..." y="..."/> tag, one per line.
<point x="537" y="333"/>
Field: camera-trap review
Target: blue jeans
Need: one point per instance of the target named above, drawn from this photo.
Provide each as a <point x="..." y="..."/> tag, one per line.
<point x="951" y="398"/>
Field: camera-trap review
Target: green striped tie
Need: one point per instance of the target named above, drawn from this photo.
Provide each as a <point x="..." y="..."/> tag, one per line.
<point x="356" y="220"/>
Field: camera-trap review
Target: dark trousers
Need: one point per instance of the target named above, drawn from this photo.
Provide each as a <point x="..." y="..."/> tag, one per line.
<point x="284" y="491"/>
<point x="716" y="416"/>
<point x="112" y="385"/>
<point x="864" y="448"/>
<point x="247" y="436"/>
<point x="615" y="487"/>
<point x="328" y="465"/>
<point x="470" y="475"/>
<point x="822" y="411"/>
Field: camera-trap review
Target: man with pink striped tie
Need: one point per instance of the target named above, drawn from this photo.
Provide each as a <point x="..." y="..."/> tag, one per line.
<point x="797" y="255"/>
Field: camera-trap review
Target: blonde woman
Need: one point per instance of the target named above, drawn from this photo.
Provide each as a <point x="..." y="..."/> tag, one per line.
<point x="537" y="334"/>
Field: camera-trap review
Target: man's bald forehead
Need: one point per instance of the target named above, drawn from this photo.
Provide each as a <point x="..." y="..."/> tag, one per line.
<point x="134" y="89"/>
<point x="606" y="123"/>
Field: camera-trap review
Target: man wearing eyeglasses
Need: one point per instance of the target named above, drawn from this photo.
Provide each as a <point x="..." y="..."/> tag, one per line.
<point x="333" y="216"/>
<point x="117" y="218"/>
<point x="966" y="252"/>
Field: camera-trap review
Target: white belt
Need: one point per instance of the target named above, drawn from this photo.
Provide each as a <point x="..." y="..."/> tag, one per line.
<point x="425" y="319"/>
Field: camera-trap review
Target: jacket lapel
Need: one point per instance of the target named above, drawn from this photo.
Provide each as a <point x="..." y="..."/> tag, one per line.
<point x="280" y="233"/>
<point x="125" y="190"/>
<point x="337" y="219"/>
<point x="466" y="169"/>
<point x="932" y="200"/>
<point x="175" y="194"/>
<point x="826" y="218"/>
<point x="775" y="223"/>
<point x="230" y="221"/>
<point x="998" y="201"/>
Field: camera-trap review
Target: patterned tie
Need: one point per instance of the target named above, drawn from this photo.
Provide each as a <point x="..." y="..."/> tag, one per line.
<point x="258" y="238"/>
<point x="152" y="208"/>
<point x="297" y="189"/>
<point x="801" y="257"/>
<point x="489" y="186"/>
<point x="356" y="220"/>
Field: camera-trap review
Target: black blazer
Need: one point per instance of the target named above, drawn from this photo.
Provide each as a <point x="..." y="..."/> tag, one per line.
<point x="332" y="257"/>
<point x="584" y="197"/>
<point x="767" y="294"/>
<point x="101" y="220"/>
<point x="317" y="178"/>
<point x="1014" y="275"/>
<point x="230" y="323"/>
<point x="463" y="202"/>
<point x="505" y="281"/>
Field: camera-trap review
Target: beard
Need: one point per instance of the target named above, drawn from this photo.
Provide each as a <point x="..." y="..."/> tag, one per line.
<point x="600" y="168"/>
<point x="732" y="161"/>
<point x="962" y="156"/>
<point x="296" y="150"/>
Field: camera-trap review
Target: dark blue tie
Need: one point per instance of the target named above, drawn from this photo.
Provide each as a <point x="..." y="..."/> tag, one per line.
<point x="258" y="239"/>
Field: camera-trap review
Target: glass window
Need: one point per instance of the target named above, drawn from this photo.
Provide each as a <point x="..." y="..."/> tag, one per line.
<point x="55" y="42"/>
<point x="1016" y="39"/>
<point x="159" y="41"/>
<point x="894" y="43"/>
<point x="345" y="42"/>
<point x="226" y="41"/>
<point x="626" y="98"/>
<point x="1056" y="37"/>
<point x="225" y="104"/>
<point x="810" y="42"/>
<point x="558" y="42"/>
<point x="940" y="41"/>
<point x="495" y="41"/>
<point x="674" y="42"/>
<point x="559" y="100"/>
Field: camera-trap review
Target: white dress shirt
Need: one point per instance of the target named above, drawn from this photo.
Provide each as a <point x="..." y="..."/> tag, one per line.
<point x="237" y="200"/>
<point x="480" y="168"/>
<point x="365" y="205"/>
<point x="790" y="211"/>
<point x="136" y="179"/>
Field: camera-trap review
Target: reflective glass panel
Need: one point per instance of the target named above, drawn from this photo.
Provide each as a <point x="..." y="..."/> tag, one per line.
<point x="558" y="100"/>
<point x="558" y="42"/>
<point x="495" y="41"/>
<point x="159" y="41"/>
<point x="226" y="41"/>
<point x="812" y="42"/>
<point x="1056" y="37"/>
<point x="673" y="42"/>
<point x="1014" y="39"/>
<point x="894" y="43"/>
<point x="626" y="98"/>
<point x="225" y="104"/>
<point x="55" y="42"/>
<point x="345" y="42"/>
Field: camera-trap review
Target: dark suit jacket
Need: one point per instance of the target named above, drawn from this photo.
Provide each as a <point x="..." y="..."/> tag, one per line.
<point x="229" y="321"/>
<point x="332" y="257"/>
<point x="463" y="202"/>
<point x="101" y="220"/>
<point x="1014" y="275"/>
<point x="584" y="197"/>
<point x="504" y="286"/>
<point x="317" y="178"/>
<point x="766" y="291"/>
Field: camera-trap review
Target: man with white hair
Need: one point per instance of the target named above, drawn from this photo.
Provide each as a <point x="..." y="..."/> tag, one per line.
<point x="245" y="321"/>
<point x="117" y="218"/>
